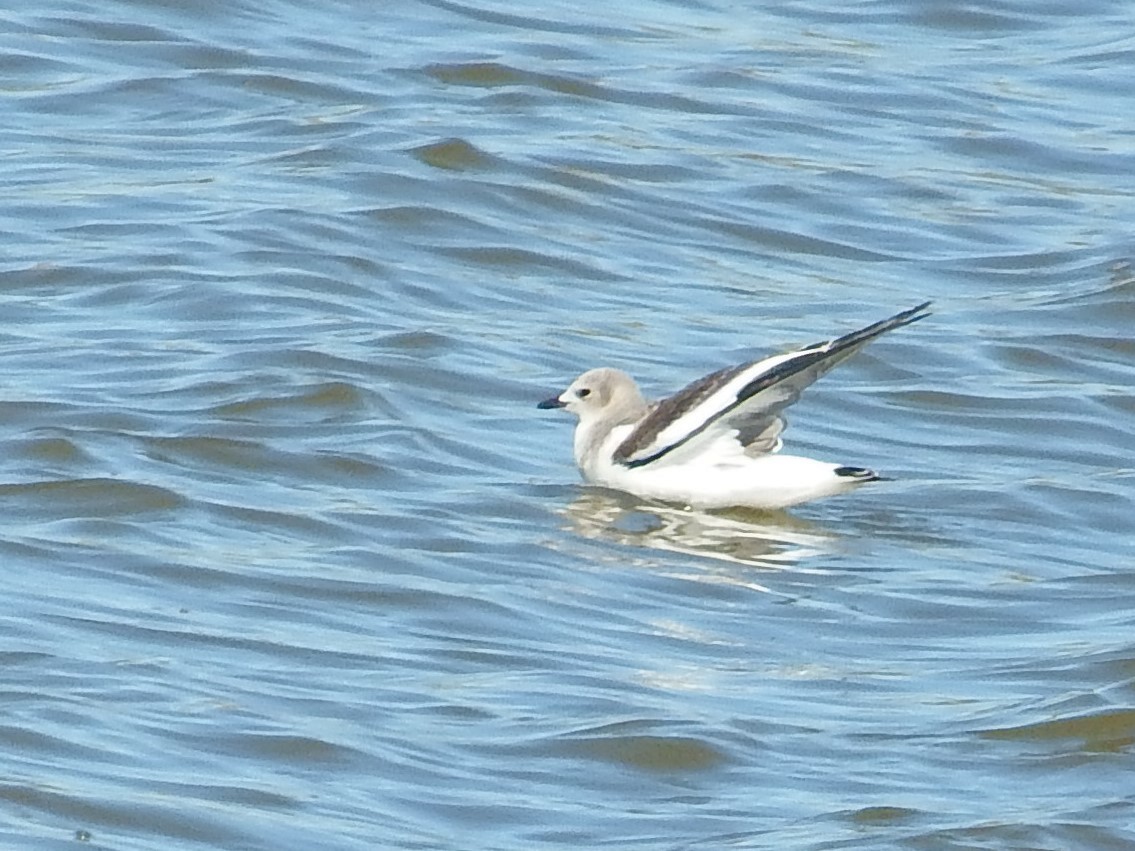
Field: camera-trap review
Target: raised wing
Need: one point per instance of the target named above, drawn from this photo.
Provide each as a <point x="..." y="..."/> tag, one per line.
<point x="744" y="402"/>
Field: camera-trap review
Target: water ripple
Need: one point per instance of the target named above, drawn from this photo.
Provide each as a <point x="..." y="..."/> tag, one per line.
<point x="292" y="560"/>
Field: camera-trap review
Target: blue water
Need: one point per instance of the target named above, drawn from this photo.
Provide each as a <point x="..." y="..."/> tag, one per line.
<point x="291" y="560"/>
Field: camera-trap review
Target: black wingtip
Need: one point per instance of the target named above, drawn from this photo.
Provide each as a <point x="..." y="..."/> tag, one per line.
<point x="904" y="317"/>
<point x="861" y="473"/>
<point x="916" y="313"/>
<point x="864" y="335"/>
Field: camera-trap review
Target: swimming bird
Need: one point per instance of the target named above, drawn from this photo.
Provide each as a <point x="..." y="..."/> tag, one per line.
<point x="713" y="444"/>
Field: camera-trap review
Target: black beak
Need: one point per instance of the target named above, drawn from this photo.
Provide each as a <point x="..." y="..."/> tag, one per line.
<point x="554" y="402"/>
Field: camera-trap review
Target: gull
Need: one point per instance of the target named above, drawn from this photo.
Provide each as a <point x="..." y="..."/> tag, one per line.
<point x="713" y="444"/>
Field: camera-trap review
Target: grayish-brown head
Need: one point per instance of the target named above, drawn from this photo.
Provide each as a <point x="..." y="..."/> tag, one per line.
<point x="605" y="394"/>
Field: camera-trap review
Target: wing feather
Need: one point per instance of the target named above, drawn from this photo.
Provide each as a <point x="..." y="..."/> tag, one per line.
<point x="746" y="400"/>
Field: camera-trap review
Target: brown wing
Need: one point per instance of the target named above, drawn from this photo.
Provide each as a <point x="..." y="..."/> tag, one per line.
<point x="746" y="401"/>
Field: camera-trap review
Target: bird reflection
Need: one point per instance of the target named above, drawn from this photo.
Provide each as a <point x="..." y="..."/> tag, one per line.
<point x="769" y="540"/>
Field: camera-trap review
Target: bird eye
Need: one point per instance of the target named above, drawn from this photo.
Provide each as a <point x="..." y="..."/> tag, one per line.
<point x="583" y="392"/>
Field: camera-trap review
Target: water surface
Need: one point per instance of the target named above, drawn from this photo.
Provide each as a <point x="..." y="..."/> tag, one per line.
<point x="292" y="561"/>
